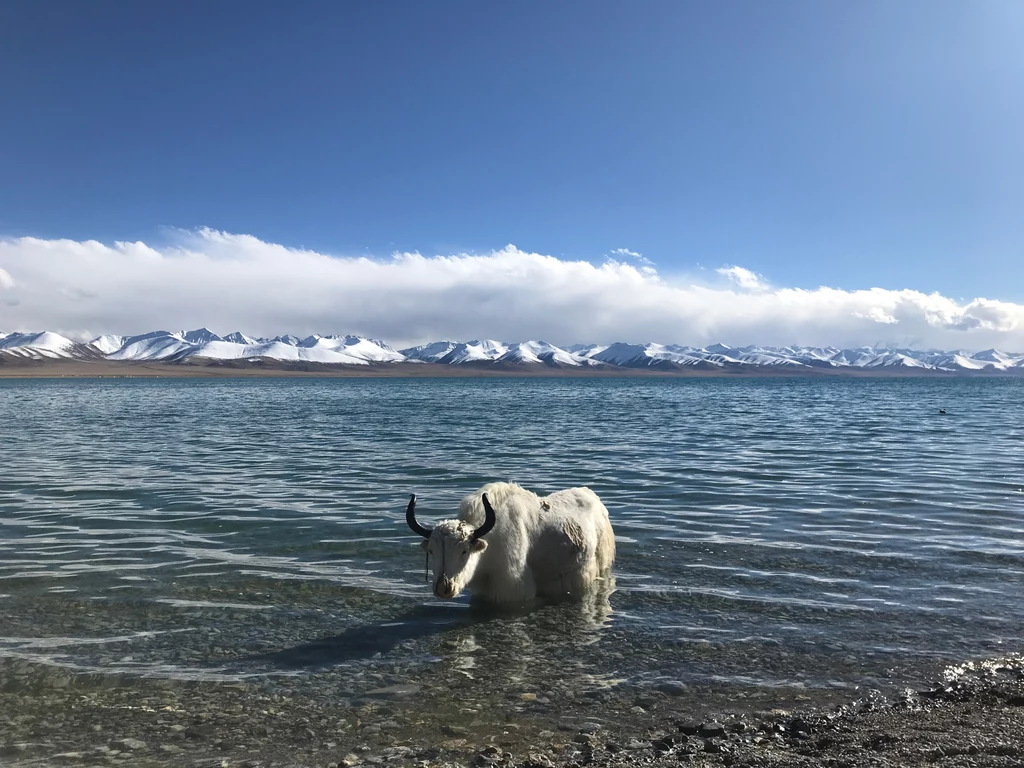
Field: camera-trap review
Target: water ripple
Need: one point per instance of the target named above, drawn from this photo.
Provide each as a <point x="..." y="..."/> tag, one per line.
<point x="200" y="525"/>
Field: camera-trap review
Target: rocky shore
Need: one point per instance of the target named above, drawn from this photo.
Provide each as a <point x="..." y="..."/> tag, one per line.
<point x="974" y="718"/>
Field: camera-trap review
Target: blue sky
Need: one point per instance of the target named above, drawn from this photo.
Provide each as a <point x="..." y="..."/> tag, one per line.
<point x="851" y="145"/>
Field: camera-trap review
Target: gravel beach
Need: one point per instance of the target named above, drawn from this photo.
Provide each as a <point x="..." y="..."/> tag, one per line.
<point x="974" y="718"/>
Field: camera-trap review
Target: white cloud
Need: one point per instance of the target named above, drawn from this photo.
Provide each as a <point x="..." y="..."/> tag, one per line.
<point x="879" y="315"/>
<point x="625" y="252"/>
<point x="744" y="278"/>
<point x="230" y="282"/>
<point x="6" y="281"/>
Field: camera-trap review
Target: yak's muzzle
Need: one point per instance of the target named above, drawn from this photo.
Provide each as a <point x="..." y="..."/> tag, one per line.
<point x="444" y="588"/>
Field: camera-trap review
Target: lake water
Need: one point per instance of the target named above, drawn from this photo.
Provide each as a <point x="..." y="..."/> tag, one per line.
<point x="776" y="537"/>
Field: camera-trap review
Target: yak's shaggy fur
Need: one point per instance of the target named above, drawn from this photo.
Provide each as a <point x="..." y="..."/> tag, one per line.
<point x="552" y="547"/>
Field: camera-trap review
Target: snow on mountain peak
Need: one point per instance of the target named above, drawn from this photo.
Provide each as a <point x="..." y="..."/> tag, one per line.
<point x="203" y="343"/>
<point x="429" y="353"/>
<point x="157" y="345"/>
<point x="540" y="352"/>
<point x="201" y="336"/>
<point x="40" y="346"/>
<point x="107" y="344"/>
<point x="240" y="338"/>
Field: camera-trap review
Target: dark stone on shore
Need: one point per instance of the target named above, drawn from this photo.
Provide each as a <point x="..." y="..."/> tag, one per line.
<point x="664" y="744"/>
<point x="740" y="726"/>
<point x="800" y="728"/>
<point x="712" y="730"/>
<point x="713" y="746"/>
<point x="493" y="756"/>
<point x="689" y="727"/>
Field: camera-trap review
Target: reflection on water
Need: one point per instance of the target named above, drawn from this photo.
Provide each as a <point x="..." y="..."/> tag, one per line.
<point x="516" y="631"/>
<point x="778" y="535"/>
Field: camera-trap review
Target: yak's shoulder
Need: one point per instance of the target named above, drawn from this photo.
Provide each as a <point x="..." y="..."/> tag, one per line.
<point x="510" y="501"/>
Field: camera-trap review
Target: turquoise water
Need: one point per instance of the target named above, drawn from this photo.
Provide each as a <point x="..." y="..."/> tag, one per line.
<point x="773" y="534"/>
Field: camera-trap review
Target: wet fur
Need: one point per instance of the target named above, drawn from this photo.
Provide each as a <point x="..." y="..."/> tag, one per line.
<point x="553" y="547"/>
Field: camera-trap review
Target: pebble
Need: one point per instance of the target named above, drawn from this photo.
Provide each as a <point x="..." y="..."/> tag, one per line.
<point x="712" y="746"/>
<point x="132" y="744"/>
<point x="664" y="744"/>
<point x="712" y="730"/>
<point x="689" y="727"/>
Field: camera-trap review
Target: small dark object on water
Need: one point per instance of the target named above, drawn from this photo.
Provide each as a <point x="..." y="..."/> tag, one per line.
<point x="942" y="411"/>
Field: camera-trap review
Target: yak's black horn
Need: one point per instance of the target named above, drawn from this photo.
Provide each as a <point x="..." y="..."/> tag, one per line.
<point x="410" y="518"/>
<point x="489" y="521"/>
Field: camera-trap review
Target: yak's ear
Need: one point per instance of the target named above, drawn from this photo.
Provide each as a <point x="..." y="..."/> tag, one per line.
<point x="479" y="545"/>
<point x="425" y="543"/>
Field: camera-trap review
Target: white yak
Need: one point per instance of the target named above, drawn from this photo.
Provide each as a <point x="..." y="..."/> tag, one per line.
<point x="552" y="547"/>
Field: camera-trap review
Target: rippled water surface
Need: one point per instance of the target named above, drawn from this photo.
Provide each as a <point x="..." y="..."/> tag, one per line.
<point x="773" y="534"/>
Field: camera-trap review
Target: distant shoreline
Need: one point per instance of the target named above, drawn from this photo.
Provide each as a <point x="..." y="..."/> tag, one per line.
<point x="11" y="368"/>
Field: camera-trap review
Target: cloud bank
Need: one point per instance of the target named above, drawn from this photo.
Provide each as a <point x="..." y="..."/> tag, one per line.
<point x="238" y="282"/>
<point x="744" y="278"/>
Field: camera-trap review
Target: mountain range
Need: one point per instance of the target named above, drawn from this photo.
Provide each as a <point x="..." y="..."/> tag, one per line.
<point x="203" y="345"/>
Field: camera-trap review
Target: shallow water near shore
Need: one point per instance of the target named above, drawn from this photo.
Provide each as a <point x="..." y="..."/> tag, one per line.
<point x="778" y="539"/>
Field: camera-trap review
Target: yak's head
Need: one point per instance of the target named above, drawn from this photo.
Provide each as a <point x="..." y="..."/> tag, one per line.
<point x="453" y="547"/>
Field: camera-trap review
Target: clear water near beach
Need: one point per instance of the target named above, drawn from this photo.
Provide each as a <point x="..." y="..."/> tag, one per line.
<point x="777" y="538"/>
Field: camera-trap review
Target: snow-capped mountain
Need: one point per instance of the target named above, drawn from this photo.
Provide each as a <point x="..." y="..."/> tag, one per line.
<point x="240" y="338"/>
<point x="457" y="353"/>
<point x="203" y="345"/>
<point x="540" y="352"/>
<point x="661" y="356"/>
<point x="430" y="353"/>
<point x="107" y="345"/>
<point x="201" y="336"/>
<point x="359" y="349"/>
<point x="44" y="346"/>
